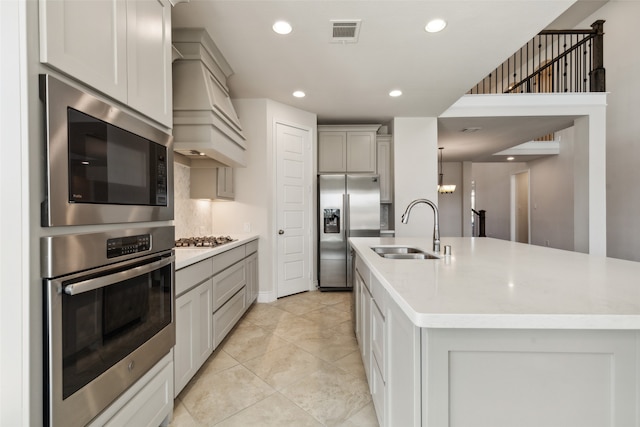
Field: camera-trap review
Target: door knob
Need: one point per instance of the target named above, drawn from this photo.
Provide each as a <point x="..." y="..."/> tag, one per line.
<point x="280" y="231"/>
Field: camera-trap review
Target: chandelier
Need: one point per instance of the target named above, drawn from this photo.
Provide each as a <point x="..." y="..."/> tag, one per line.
<point x="443" y="188"/>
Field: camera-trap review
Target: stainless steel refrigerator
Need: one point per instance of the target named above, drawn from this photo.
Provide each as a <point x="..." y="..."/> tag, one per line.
<point x="349" y="206"/>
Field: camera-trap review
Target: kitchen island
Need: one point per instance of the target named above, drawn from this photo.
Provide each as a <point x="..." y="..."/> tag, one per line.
<point x="498" y="334"/>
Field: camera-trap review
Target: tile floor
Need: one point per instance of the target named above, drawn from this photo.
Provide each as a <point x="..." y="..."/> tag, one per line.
<point x="293" y="362"/>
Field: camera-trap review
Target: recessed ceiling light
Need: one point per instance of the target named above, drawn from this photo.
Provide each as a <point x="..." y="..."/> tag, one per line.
<point x="282" y="27"/>
<point x="299" y="94"/>
<point x="510" y="158"/>
<point x="395" y="93"/>
<point x="435" y="25"/>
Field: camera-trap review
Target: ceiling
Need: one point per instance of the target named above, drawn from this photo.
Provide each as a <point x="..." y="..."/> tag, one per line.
<point x="350" y="82"/>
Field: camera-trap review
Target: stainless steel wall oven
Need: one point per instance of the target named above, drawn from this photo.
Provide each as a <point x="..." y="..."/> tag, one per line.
<point x="109" y="316"/>
<point x="103" y="164"/>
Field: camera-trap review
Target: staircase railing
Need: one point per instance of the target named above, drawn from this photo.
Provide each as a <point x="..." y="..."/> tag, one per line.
<point x="553" y="61"/>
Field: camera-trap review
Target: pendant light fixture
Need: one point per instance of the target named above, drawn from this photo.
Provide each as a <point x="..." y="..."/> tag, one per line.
<point x="443" y="189"/>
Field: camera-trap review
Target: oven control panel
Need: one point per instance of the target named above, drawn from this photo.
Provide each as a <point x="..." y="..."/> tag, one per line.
<point x="128" y="245"/>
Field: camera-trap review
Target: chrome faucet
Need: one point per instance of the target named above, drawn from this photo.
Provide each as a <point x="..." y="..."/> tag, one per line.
<point x="436" y="220"/>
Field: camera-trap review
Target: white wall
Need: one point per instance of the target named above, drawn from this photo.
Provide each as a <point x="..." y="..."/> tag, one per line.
<point x="255" y="185"/>
<point x="415" y="145"/>
<point x="14" y="228"/>
<point x="622" y="64"/>
<point x="552" y="196"/>
<point x="493" y="193"/>
<point x="450" y="205"/>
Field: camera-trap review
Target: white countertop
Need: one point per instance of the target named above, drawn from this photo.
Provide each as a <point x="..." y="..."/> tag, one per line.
<point x="186" y="256"/>
<point x="490" y="283"/>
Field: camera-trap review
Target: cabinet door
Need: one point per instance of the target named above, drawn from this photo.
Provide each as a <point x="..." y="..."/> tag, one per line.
<point x="365" y="328"/>
<point x="187" y="329"/>
<point x="252" y="278"/>
<point x="384" y="169"/>
<point x="332" y="152"/>
<point x="149" y="59"/>
<point x="204" y="341"/>
<point x="87" y="40"/>
<point x="357" y="290"/>
<point x="361" y="152"/>
<point x="194" y="335"/>
<point x="225" y="184"/>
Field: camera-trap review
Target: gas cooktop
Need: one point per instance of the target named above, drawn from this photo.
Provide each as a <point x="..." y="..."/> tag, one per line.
<point x="204" y="241"/>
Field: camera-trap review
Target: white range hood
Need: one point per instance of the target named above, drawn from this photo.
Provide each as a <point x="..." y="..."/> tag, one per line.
<point x="204" y="120"/>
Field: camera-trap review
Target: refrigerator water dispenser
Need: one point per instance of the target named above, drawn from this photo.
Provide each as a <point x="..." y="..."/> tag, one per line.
<point x="332" y="221"/>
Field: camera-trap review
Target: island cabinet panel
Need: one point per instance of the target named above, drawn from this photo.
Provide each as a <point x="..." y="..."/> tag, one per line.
<point x="390" y="346"/>
<point x="530" y="377"/>
<point x="363" y="308"/>
<point x="403" y="353"/>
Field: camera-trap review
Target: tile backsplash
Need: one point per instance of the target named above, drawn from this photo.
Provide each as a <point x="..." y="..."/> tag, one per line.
<point x="192" y="217"/>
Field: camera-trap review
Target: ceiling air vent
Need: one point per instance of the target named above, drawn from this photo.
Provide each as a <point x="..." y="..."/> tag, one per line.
<point x="345" y="30"/>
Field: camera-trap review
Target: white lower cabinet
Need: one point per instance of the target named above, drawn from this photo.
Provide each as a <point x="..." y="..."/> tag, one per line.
<point x="194" y="337"/>
<point x="147" y="403"/>
<point x="363" y="313"/>
<point x="212" y="295"/>
<point x="390" y="348"/>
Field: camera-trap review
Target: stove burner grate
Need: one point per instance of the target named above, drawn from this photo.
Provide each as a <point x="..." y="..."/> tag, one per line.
<point x="204" y="241"/>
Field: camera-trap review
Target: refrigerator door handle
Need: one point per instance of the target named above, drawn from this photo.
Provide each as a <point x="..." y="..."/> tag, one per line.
<point x="347" y="214"/>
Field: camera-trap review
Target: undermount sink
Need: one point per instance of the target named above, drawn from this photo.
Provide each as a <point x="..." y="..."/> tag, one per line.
<point x="402" y="252"/>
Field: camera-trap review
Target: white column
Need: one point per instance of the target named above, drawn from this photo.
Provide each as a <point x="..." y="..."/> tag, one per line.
<point x="415" y="160"/>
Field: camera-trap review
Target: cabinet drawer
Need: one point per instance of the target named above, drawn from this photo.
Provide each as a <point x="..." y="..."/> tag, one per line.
<point x="251" y="247"/>
<point x="188" y="277"/>
<point x="364" y="271"/>
<point x="151" y="405"/>
<point x="226" y="317"/>
<point x="227" y="283"/>
<point x="225" y="259"/>
<point x="377" y="338"/>
<point x="379" y="294"/>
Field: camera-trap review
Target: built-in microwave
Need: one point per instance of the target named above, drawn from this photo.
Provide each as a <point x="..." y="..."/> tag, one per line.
<point x="103" y="164"/>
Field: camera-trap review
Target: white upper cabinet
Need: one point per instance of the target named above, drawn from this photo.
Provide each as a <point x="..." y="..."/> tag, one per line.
<point x="385" y="167"/>
<point x="332" y="151"/>
<point x="348" y="148"/>
<point x="87" y="40"/>
<point x="121" y="48"/>
<point x="149" y="56"/>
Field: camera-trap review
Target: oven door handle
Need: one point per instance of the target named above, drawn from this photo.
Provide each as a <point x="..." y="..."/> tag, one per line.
<point x="100" y="282"/>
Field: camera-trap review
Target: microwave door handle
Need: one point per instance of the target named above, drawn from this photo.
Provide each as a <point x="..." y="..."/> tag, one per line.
<point x="101" y="282"/>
